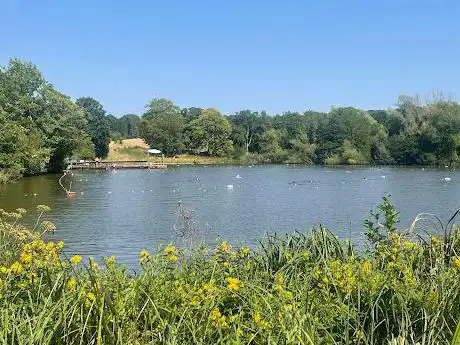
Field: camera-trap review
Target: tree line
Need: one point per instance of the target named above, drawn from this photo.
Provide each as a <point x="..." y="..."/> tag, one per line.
<point x="41" y="129"/>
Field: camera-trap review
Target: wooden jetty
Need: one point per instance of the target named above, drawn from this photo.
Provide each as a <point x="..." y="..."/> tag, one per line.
<point x="96" y="165"/>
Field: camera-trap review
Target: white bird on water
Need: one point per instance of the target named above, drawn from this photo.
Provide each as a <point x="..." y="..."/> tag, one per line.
<point x="447" y="178"/>
<point x="229" y="187"/>
<point x="238" y="176"/>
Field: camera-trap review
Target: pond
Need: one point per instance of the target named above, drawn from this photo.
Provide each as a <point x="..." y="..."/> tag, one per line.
<point x="121" y="212"/>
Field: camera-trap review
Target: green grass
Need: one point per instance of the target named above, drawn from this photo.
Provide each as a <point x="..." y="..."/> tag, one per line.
<point x="304" y="288"/>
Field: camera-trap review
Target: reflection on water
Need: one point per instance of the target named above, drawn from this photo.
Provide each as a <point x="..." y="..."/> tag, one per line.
<point x="119" y="213"/>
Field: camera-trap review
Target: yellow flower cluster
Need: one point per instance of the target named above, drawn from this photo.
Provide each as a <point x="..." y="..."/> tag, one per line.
<point x="90" y="299"/>
<point x="38" y="253"/>
<point x="144" y="257"/>
<point x="260" y="322"/>
<point x="171" y="252"/>
<point x="217" y="319"/>
<point x="76" y="259"/>
<point x="456" y="261"/>
<point x="233" y="284"/>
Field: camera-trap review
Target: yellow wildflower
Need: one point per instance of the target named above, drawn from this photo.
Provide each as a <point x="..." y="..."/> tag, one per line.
<point x="366" y="267"/>
<point x="60" y="244"/>
<point x="16" y="268"/>
<point x="244" y="251"/>
<point x="71" y="283"/>
<point x="76" y="259"/>
<point x="215" y="314"/>
<point x="4" y="270"/>
<point x="110" y="260"/>
<point x="33" y="277"/>
<point x="90" y="298"/>
<point x="170" y="250"/>
<point x="359" y="335"/>
<point x="233" y="283"/>
<point x="217" y="319"/>
<point x="259" y="321"/>
<point x="25" y="258"/>
<point x="456" y="261"/>
<point x="171" y="253"/>
<point x="144" y="256"/>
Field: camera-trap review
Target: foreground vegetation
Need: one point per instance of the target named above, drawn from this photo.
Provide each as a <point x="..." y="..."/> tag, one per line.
<point x="301" y="289"/>
<point x="42" y="129"/>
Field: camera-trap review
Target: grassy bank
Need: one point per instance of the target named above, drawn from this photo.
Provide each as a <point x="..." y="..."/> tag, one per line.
<point x="134" y="149"/>
<point x="307" y="288"/>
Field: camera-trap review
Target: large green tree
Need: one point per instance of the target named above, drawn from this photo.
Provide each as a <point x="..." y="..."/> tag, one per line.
<point x="48" y="126"/>
<point x="248" y="126"/>
<point x="98" y="125"/>
<point x="210" y="132"/>
<point x="162" y="126"/>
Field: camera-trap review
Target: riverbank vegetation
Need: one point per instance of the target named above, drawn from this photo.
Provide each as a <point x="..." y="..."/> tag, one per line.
<point x="306" y="288"/>
<point x="41" y="129"/>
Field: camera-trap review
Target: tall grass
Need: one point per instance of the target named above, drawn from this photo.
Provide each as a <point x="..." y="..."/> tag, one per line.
<point x="305" y="288"/>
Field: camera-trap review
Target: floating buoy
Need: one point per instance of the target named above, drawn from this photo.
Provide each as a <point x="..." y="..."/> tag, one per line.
<point x="71" y="194"/>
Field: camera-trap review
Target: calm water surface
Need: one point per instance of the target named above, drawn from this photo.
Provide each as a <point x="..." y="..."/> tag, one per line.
<point x="119" y="213"/>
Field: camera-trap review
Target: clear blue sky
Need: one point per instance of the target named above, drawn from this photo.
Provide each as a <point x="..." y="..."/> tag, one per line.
<point x="232" y="55"/>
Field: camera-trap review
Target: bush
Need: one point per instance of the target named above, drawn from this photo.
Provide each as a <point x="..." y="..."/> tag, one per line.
<point x="306" y="288"/>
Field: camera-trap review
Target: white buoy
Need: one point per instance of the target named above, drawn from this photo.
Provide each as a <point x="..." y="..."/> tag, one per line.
<point x="447" y="178"/>
<point x="229" y="187"/>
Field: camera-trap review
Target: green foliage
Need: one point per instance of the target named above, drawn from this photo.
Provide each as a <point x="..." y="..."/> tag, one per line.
<point x="305" y="288"/>
<point x="98" y="125"/>
<point x="125" y="127"/>
<point x="40" y="126"/>
<point x="210" y="132"/>
<point x="377" y="230"/>
<point x="162" y="126"/>
<point x="302" y="150"/>
<point x="271" y="149"/>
